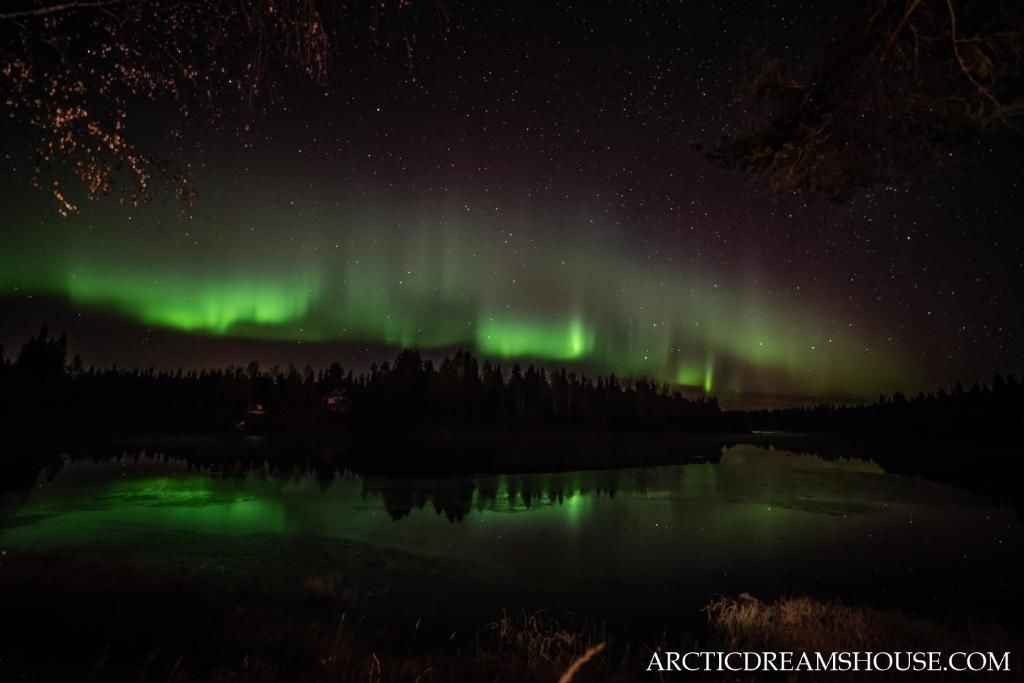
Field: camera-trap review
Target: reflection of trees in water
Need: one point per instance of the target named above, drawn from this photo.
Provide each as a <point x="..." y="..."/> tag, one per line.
<point x="486" y="494"/>
<point x="455" y="500"/>
<point x="452" y="498"/>
<point x="455" y="497"/>
<point x="399" y="502"/>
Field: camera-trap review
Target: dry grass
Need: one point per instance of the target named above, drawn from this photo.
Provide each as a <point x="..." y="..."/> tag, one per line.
<point x="108" y="621"/>
<point x="534" y="638"/>
<point x="544" y="648"/>
<point x="801" y="623"/>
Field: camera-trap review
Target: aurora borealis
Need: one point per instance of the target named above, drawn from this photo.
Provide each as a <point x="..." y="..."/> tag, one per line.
<point x="456" y="284"/>
<point x="534" y="200"/>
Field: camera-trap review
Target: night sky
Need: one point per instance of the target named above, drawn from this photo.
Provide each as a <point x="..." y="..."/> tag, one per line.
<point x="524" y="186"/>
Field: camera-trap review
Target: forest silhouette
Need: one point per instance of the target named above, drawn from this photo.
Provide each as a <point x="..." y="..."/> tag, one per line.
<point x="42" y="391"/>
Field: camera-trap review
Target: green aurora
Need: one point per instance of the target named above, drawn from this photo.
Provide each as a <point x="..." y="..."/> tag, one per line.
<point x="437" y="282"/>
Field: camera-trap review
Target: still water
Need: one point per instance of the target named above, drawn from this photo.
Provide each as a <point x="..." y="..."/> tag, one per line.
<point x="657" y="541"/>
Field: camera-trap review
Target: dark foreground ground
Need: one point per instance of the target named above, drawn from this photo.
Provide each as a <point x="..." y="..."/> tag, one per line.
<point x="99" y="620"/>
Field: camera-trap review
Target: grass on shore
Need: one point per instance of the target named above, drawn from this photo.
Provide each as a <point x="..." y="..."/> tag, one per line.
<point x="108" y="621"/>
<point x="806" y="624"/>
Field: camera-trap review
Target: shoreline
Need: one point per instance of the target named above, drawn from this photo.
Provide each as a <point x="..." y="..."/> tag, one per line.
<point x="326" y="630"/>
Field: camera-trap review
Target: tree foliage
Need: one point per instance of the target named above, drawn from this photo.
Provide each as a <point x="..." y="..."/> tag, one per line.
<point x="40" y="391"/>
<point x="900" y="86"/>
<point x="86" y="82"/>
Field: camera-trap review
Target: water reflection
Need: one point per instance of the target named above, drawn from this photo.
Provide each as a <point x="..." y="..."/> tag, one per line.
<point x="455" y="498"/>
<point x="752" y="520"/>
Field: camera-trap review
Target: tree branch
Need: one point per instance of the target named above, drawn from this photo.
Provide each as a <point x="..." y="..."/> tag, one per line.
<point x="960" y="60"/>
<point x="57" y="9"/>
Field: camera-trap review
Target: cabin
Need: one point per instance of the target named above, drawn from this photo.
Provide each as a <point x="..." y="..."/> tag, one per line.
<point x="336" y="402"/>
<point x="255" y="418"/>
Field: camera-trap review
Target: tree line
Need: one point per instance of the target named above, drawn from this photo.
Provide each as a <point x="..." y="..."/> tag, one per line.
<point x="43" y="390"/>
<point x="983" y="410"/>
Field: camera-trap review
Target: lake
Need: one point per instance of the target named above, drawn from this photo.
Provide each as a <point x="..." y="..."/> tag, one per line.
<point x="637" y="544"/>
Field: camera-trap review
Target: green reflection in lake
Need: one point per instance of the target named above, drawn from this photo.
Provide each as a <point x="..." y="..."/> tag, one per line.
<point x="83" y="512"/>
<point x="758" y="521"/>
